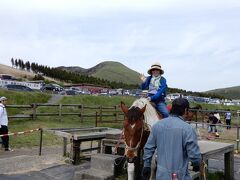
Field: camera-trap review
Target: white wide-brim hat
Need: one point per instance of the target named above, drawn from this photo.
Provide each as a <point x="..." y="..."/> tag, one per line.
<point x="155" y="66"/>
<point x="3" y="98"/>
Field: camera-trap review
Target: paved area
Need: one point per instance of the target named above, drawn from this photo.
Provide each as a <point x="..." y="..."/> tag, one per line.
<point x="25" y="164"/>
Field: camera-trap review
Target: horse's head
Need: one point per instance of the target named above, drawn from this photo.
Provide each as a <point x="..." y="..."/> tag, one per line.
<point x="134" y="133"/>
<point x="192" y="113"/>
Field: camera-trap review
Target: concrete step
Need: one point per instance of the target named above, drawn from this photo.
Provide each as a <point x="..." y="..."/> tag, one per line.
<point x="25" y="163"/>
<point x="107" y="162"/>
<point x="93" y="174"/>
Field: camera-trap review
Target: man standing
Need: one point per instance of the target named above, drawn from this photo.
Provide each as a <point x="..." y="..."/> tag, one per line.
<point x="4" y="123"/>
<point x="228" y="117"/>
<point x="176" y="144"/>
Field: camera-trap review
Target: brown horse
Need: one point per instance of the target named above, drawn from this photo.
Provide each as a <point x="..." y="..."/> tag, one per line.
<point x="137" y="125"/>
<point x="192" y="113"/>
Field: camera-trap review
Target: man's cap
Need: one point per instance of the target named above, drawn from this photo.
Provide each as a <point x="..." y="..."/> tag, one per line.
<point x="3" y="98"/>
<point x="180" y="102"/>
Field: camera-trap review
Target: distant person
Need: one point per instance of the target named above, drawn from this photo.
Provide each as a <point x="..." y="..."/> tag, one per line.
<point x="156" y="85"/>
<point x="217" y="115"/>
<point x="228" y="116"/>
<point x="4" y="123"/>
<point x="213" y="120"/>
<point x="176" y="144"/>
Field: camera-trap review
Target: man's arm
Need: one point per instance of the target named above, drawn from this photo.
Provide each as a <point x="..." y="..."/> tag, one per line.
<point x="149" y="149"/>
<point x="192" y="147"/>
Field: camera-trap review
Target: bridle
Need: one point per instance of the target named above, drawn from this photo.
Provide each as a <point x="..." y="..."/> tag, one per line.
<point x="138" y="144"/>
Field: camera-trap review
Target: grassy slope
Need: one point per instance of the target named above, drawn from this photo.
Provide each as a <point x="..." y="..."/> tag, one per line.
<point x="17" y="73"/>
<point x="114" y="71"/>
<point x="231" y="92"/>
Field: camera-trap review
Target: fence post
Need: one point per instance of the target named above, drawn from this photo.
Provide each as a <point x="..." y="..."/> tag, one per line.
<point x="60" y="112"/>
<point x="40" y="143"/>
<point x="116" y="113"/>
<point x="64" y="146"/>
<point x="34" y="111"/>
<point x="100" y="114"/>
<point x="96" y="120"/>
<point x="81" y="112"/>
<point x="238" y="112"/>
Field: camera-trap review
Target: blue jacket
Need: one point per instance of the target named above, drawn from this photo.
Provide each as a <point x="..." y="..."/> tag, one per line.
<point x="161" y="92"/>
<point x="176" y="144"/>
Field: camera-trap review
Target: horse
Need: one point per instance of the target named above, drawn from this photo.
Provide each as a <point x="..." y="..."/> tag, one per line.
<point x="192" y="113"/>
<point x="138" y="120"/>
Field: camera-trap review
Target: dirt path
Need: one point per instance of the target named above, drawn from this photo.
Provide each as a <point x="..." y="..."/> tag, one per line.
<point x="54" y="99"/>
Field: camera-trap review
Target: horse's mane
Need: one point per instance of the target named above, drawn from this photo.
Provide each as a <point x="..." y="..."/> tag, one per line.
<point x="150" y="114"/>
<point x="133" y="114"/>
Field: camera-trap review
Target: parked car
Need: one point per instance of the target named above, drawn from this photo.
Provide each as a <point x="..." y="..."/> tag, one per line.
<point x="17" y="87"/>
<point x="51" y="87"/>
<point x="71" y="92"/>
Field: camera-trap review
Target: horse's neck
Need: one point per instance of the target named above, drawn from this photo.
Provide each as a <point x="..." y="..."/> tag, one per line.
<point x="150" y="114"/>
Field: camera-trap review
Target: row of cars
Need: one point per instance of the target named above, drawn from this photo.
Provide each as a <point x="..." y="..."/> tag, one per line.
<point x="55" y="88"/>
<point x="48" y="87"/>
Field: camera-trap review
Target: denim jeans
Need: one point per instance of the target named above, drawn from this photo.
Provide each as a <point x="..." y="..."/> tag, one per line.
<point x="162" y="108"/>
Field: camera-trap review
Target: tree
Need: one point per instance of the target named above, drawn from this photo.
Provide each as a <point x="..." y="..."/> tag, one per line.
<point x="16" y="63"/>
<point x="28" y="67"/>
<point x="12" y="61"/>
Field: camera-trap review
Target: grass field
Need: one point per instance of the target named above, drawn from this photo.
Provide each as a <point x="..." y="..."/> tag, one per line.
<point x="31" y="140"/>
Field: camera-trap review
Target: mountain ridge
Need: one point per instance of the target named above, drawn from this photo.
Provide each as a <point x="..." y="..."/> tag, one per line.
<point x="108" y="70"/>
<point x="228" y="92"/>
<point x="114" y="71"/>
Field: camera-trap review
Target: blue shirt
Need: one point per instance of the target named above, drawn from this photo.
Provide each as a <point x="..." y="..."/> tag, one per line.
<point x="160" y="94"/>
<point x="176" y="144"/>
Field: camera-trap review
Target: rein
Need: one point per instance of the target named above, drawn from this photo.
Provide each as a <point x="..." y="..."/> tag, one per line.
<point x="119" y="141"/>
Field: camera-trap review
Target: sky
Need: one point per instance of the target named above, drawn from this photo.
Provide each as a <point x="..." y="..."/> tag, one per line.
<point x="196" y="42"/>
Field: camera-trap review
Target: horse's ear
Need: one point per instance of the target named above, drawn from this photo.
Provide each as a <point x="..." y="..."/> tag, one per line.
<point x="124" y="107"/>
<point x="143" y="109"/>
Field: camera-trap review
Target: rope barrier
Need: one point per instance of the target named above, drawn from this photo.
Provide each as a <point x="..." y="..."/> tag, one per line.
<point x="19" y="133"/>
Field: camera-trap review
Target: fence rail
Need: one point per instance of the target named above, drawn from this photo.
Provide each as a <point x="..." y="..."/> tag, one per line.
<point x="80" y="110"/>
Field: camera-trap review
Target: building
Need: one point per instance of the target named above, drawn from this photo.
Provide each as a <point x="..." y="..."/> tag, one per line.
<point x="5" y="77"/>
<point x="32" y="85"/>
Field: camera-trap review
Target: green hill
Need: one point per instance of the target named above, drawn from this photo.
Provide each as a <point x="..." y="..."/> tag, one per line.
<point x="231" y="92"/>
<point x="108" y="70"/>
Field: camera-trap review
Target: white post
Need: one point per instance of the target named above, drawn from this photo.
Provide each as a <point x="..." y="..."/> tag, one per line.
<point x="130" y="170"/>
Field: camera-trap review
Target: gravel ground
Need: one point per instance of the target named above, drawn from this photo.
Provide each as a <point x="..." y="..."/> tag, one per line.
<point x="59" y="170"/>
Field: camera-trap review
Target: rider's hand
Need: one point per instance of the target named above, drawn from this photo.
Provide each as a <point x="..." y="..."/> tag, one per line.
<point x="196" y="168"/>
<point x="142" y="77"/>
<point x="146" y="172"/>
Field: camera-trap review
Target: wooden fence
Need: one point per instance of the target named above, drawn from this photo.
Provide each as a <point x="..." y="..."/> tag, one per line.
<point x="98" y="112"/>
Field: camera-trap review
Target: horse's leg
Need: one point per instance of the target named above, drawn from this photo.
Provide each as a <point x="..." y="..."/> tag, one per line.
<point x="130" y="171"/>
<point x="153" y="167"/>
<point x="138" y="168"/>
